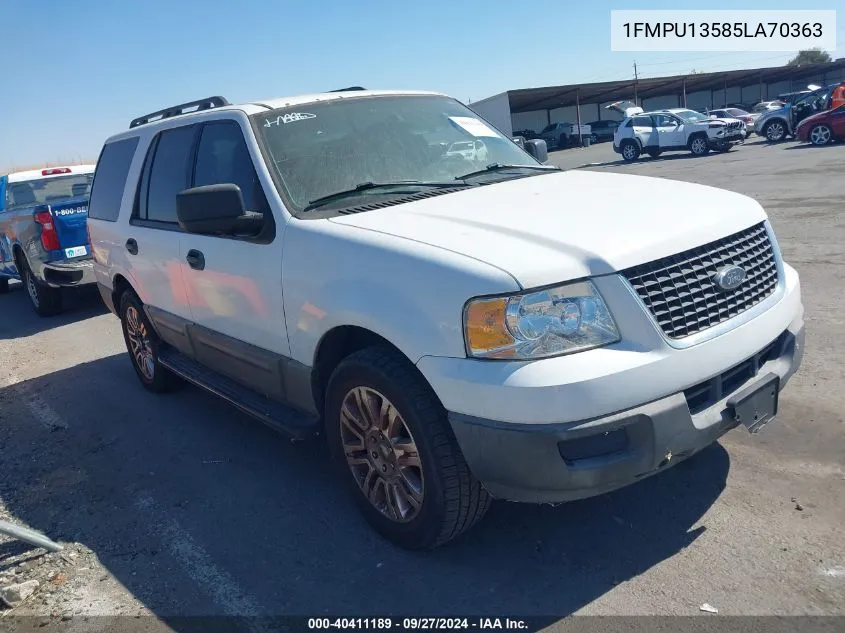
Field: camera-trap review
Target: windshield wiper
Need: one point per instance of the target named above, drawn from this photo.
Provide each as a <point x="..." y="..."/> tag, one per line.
<point x="366" y="186"/>
<point x="500" y="166"/>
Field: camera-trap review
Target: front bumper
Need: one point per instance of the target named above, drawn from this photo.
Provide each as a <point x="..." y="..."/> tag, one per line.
<point x="562" y="462"/>
<point x="510" y="417"/>
<point x="75" y="272"/>
<point x="733" y="138"/>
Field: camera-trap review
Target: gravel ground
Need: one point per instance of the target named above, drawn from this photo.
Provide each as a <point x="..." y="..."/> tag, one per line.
<point x="180" y="505"/>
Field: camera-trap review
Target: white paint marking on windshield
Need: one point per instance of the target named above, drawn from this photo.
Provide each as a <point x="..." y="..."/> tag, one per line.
<point x="289" y="118"/>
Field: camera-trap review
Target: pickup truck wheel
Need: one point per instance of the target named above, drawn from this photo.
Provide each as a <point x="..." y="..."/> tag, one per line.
<point x="630" y="151"/>
<point x="143" y="345"/>
<point x="391" y="439"/>
<point x="4" y="286"/>
<point x="699" y="145"/>
<point x="45" y="300"/>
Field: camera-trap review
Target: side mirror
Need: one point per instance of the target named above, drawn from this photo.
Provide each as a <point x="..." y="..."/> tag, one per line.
<point x="537" y="148"/>
<point x="210" y="209"/>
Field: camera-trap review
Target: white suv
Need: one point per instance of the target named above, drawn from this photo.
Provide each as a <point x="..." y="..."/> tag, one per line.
<point x="459" y="330"/>
<point x="674" y="129"/>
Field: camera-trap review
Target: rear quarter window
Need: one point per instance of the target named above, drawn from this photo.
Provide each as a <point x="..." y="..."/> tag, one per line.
<point x="110" y="179"/>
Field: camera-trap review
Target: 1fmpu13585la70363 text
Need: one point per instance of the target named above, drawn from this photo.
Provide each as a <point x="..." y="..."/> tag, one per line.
<point x="723" y="29"/>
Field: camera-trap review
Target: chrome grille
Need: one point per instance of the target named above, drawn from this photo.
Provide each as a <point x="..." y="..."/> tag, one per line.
<point x="680" y="291"/>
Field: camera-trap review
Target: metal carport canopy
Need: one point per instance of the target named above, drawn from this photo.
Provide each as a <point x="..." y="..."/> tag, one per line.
<point x="551" y="97"/>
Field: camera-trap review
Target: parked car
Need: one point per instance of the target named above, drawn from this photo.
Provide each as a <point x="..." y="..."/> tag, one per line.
<point x="602" y="130"/>
<point x="675" y="129"/>
<point x="778" y="125"/>
<point x="735" y="113"/>
<point x="823" y="128"/>
<point x="469" y="150"/>
<point x="456" y="333"/>
<point x="561" y="135"/>
<point x="765" y="106"/>
<point x="43" y="235"/>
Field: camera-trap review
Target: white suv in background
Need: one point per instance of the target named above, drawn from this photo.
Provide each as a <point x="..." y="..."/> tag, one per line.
<point x="457" y="328"/>
<point x="673" y="129"/>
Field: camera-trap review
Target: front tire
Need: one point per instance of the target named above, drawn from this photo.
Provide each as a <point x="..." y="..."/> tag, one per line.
<point x="390" y="438"/>
<point x="775" y="131"/>
<point x="45" y="300"/>
<point x="699" y="145"/>
<point x="821" y="135"/>
<point x="630" y="151"/>
<point x="143" y="345"/>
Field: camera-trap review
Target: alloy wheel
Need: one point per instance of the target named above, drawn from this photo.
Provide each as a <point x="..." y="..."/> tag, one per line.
<point x="820" y="135"/>
<point x="139" y="341"/>
<point x="629" y="152"/>
<point x="31" y="288"/>
<point x="382" y="454"/>
<point x="698" y="146"/>
<point x="775" y="131"/>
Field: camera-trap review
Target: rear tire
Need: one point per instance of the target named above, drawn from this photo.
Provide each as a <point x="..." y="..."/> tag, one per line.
<point x="630" y="150"/>
<point x="143" y="345"/>
<point x="45" y="300"/>
<point x="396" y="452"/>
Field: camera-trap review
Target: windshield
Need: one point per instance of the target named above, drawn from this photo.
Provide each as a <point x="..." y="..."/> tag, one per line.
<point x="325" y="147"/>
<point x="48" y="190"/>
<point x="691" y="116"/>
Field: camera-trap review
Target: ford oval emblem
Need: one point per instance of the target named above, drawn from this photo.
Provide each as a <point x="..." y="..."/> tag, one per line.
<point x="729" y="277"/>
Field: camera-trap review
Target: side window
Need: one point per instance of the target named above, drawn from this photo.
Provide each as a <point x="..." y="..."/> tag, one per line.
<point x="642" y="121"/>
<point x="110" y="179"/>
<point x="664" y="120"/>
<point x="169" y="174"/>
<point x="223" y="157"/>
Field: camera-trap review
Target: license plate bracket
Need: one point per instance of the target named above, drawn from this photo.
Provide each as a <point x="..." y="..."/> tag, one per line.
<point x="757" y="405"/>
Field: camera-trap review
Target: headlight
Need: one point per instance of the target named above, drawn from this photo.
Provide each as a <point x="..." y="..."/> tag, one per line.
<point x="560" y="320"/>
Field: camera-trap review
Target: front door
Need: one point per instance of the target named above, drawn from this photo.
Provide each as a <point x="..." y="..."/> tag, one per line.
<point x="670" y="131"/>
<point x="234" y="284"/>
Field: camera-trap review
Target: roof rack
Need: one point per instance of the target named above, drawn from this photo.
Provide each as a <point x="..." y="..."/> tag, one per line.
<point x="350" y="89"/>
<point x="182" y="108"/>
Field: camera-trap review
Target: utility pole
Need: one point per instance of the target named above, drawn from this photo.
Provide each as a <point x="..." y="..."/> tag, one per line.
<point x="636" y="81"/>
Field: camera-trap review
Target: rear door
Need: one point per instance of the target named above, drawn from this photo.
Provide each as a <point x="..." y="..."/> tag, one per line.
<point x="153" y="237"/>
<point x="644" y="130"/>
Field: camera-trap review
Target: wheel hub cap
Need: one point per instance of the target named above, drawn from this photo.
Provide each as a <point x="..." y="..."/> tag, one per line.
<point x="381" y="454"/>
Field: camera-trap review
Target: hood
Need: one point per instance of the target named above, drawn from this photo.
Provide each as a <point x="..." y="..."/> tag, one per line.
<point x="625" y="108"/>
<point x="562" y="226"/>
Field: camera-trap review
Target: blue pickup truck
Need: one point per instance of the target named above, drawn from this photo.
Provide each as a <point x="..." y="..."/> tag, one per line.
<point x="44" y="233"/>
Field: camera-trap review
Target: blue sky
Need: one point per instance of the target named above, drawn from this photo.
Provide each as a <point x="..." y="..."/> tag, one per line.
<point x="76" y="72"/>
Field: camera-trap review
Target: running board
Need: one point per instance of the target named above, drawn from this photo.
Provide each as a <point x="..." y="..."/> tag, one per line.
<point x="272" y="413"/>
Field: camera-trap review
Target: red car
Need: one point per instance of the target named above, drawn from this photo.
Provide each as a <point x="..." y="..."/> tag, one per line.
<point x="824" y="127"/>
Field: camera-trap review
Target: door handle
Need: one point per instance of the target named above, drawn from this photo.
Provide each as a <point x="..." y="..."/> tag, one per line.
<point x="195" y="259"/>
<point x="132" y="246"/>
